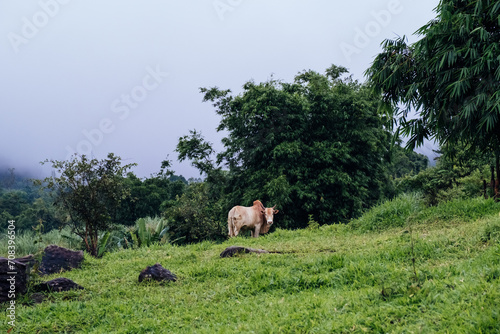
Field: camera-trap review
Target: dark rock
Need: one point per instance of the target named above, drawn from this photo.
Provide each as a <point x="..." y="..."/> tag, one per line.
<point x="157" y="273"/>
<point x="233" y="250"/>
<point x="57" y="285"/>
<point x="56" y="259"/>
<point x="14" y="276"/>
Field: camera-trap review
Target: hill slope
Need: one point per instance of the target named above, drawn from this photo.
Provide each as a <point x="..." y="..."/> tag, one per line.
<point x="329" y="280"/>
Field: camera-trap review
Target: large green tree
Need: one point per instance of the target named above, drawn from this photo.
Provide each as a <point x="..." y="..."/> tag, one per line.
<point x="89" y="191"/>
<point x="315" y="146"/>
<point x="451" y="77"/>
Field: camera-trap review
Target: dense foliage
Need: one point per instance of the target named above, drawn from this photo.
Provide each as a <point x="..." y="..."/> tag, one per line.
<point x="458" y="174"/>
<point x="195" y="216"/>
<point x="24" y="202"/>
<point x="149" y="197"/>
<point x="404" y="162"/>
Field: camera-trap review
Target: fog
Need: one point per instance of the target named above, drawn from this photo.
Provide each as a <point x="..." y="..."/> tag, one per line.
<point x="123" y="76"/>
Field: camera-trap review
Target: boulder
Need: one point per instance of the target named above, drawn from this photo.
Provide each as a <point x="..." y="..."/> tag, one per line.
<point x="14" y="275"/>
<point x="56" y="259"/>
<point x="57" y="285"/>
<point x="233" y="250"/>
<point x="157" y="273"/>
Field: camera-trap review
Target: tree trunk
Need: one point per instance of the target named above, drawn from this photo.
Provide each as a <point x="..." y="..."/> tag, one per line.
<point x="492" y="182"/>
<point x="497" y="166"/>
<point x="86" y="239"/>
<point x="95" y="243"/>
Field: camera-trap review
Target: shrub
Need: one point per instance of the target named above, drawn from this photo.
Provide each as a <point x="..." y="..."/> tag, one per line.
<point x="444" y="183"/>
<point x="151" y="230"/>
<point x="194" y="217"/>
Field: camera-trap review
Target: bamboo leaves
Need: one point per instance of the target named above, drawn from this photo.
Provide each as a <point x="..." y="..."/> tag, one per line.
<point x="451" y="76"/>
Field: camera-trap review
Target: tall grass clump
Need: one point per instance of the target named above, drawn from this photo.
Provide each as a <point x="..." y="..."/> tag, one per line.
<point x="463" y="210"/>
<point x="392" y="213"/>
<point x="410" y="208"/>
<point x="491" y="231"/>
<point x="29" y="242"/>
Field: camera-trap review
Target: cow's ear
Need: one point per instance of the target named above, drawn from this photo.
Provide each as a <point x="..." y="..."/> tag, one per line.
<point x="276" y="211"/>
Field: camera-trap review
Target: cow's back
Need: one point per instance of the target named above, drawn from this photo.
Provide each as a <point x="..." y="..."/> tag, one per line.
<point x="246" y="216"/>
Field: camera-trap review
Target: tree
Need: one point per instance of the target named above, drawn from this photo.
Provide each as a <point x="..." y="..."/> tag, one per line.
<point x="148" y="197"/>
<point x="89" y="191"/>
<point x="451" y="76"/>
<point x="315" y="146"/>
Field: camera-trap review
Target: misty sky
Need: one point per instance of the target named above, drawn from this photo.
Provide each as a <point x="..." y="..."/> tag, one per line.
<point x="123" y="76"/>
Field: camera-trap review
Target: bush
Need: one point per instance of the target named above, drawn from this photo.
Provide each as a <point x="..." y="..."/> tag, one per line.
<point x="150" y="231"/>
<point x="443" y="183"/>
<point x="194" y="217"/>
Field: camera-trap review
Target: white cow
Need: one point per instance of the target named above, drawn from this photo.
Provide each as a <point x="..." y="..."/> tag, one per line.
<point x="256" y="218"/>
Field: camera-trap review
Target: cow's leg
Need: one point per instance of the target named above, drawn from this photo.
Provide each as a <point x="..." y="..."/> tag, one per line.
<point x="230" y="227"/>
<point x="235" y="231"/>
<point x="251" y="233"/>
<point x="256" y="232"/>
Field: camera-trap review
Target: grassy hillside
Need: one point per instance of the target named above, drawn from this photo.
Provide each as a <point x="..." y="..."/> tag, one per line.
<point x="439" y="274"/>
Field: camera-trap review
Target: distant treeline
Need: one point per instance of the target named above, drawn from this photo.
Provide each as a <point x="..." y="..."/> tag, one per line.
<point x="32" y="208"/>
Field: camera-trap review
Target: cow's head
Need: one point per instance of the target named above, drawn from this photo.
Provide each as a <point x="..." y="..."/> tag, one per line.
<point x="269" y="214"/>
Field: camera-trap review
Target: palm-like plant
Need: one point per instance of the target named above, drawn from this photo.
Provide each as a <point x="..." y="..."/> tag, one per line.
<point x="451" y="77"/>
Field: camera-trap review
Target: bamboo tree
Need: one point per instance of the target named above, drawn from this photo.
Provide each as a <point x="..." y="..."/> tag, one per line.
<point x="451" y="77"/>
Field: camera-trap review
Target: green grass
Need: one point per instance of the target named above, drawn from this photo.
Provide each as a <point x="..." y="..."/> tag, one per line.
<point x="392" y="213"/>
<point x="335" y="279"/>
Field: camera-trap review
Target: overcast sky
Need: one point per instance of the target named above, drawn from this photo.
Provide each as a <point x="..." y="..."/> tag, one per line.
<point x="123" y="76"/>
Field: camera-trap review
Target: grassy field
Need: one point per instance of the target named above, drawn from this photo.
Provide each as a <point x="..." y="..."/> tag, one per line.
<point x="437" y="271"/>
